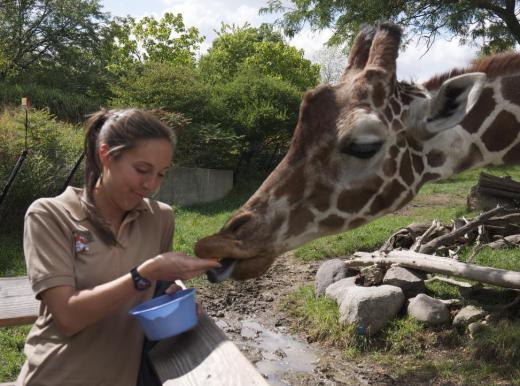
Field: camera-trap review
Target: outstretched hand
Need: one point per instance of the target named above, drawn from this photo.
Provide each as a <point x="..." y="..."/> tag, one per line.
<point x="172" y="266"/>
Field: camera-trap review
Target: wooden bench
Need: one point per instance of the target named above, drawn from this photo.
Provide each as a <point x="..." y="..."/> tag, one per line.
<point x="203" y="356"/>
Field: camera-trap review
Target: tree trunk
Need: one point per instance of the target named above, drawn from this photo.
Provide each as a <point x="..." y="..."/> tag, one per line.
<point x="435" y="264"/>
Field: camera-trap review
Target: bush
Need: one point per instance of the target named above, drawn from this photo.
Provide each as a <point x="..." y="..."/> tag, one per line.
<point x="53" y="147"/>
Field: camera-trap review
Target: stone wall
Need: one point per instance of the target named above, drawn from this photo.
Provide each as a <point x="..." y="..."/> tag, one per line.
<point x="188" y="186"/>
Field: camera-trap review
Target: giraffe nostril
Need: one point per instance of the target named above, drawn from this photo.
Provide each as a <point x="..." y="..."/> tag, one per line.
<point x="238" y="222"/>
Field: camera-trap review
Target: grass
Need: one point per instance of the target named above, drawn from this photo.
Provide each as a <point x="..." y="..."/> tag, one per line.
<point x="409" y="350"/>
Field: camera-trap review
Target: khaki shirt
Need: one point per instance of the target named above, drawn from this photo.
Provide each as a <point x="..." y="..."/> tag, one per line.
<point x="62" y="247"/>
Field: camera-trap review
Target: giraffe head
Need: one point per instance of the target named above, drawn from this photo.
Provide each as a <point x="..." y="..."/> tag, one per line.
<point x="360" y="150"/>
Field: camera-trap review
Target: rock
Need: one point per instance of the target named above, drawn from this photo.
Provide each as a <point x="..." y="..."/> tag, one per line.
<point x="407" y="280"/>
<point x="468" y="315"/>
<point x="476" y="327"/>
<point x="372" y="275"/>
<point x="338" y="290"/>
<point x="330" y="272"/>
<point x="371" y="307"/>
<point x="428" y="310"/>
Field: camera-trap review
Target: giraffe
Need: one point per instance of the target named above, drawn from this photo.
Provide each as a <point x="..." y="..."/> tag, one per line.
<point x="364" y="146"/>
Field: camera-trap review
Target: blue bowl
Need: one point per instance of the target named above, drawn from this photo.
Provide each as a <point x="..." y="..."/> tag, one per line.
<point x="167" y="315"/>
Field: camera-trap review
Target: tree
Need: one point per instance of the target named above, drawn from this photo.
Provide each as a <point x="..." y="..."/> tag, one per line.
<point x="332" y="61"/>
<point x="38" y="34"/>
<point x="493" y="21"/>
<point x="152" y="40"/>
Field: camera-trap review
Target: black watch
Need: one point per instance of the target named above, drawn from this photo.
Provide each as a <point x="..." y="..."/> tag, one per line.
<point x="140" y="283"/>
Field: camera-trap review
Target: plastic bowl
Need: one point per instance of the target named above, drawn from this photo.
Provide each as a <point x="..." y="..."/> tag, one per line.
<point x="167" y="315"/>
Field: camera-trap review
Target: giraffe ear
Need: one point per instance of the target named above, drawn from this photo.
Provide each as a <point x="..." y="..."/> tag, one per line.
<point x="454" y="100"/>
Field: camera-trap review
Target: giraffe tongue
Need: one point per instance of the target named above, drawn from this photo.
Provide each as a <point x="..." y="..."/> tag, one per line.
<point x="219" y="274"/>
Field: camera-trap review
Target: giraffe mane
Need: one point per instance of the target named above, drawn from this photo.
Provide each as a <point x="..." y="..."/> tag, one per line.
<point x="491" y="65"/>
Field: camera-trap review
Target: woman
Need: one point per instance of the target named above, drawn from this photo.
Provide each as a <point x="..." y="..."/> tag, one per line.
<point x="94" y="253"/>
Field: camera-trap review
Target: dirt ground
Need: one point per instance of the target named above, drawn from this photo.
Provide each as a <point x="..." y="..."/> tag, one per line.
<point x="247" y="312"/>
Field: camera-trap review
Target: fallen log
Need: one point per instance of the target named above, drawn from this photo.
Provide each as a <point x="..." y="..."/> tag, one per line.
<point x="437" y="264"/>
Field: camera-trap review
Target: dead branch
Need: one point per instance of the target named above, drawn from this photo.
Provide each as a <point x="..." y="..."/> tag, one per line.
<point x="457" y="283"/>
<point x="436" y="264"/>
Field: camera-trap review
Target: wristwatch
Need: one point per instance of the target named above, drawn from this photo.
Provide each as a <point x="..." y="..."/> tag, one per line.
<point x="140" y="283"/>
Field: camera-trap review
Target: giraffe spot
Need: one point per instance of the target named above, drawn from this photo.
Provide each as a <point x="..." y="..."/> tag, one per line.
<point x="332" y="222"/>
<point x="502" y="132"/>
<point x="388" y="113"/>
<point x="320" y="197"/>
<point x="394" y="151"/>
<point x="299" y="218"/>
<point x="405" y="169"/>
<point x="389" y="167"/>
<point x="474" y="156"/>
<point x="276" y="224"/>
<point x="406" y="200"/>
<point x="396" y="125"/>
<point x="417" y="163"/>
<point x="387" y="197"/>
<point x="513" y="155"/>
<point x="413" y="143"/>
<point x="511" y="89"/>
<point x="378" y="94"/>
<point x="396" y="108"/>
<point x="428" y="177"/>
<point x="484" y="106"/>
<point x="400" y="141"/>
<point x="406" y="99"/>
<point x="356" y="223"/>
<point x="353" y="200"/>
<point x="293" y="187"/>
<point x="435" y="158"/>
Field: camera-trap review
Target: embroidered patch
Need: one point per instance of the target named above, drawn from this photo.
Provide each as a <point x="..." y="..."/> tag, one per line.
<point x="82" y="240"/>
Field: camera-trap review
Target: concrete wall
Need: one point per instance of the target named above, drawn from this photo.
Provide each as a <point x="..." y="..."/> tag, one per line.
<point x="187" y="186"/>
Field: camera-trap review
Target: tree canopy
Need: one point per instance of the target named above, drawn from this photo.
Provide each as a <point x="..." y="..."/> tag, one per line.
<point x="495" y="22"/>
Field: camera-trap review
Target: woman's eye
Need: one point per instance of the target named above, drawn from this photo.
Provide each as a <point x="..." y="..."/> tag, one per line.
<point x="362" y="150"/>
<point x="141" y="171"/>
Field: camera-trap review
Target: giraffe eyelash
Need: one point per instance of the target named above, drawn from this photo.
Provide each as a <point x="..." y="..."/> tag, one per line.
<point x="362" y="150"/>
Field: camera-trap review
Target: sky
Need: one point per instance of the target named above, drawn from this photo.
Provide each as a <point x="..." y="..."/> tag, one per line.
<point x="414" y="63"/>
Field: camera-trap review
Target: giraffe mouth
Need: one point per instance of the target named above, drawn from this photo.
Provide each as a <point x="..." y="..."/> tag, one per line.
<point x="217" y="275"/>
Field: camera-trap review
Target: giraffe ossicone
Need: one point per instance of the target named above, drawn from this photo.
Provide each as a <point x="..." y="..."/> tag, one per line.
<point x="364" y="146"/>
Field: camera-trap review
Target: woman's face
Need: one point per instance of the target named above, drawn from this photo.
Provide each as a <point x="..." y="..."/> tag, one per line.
<point x="136" y="173"/>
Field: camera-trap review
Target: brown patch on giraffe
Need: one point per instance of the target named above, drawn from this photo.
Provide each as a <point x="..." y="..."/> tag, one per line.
<point x="435" y="158"/>
<point x="320" y="197"/>
<point x="378" y="94"/>
<point x="386" y="198"/>
<point x="396" y="125"/>
<point x="389" y="115"/>
<point x="492" y="66"/>
<point x="276" y="224"/>
<point x="400" y="140"/>
<point x="405" y="170"/>
<point x="474" y="156"/>
<point x="353" y="200"/>
<point x="484" y="106"/>
<point x="406" y="200"/>
<point x="389" y="167"/>
<point x="332" y="222"/>
<point x="513" y="155"/>
<point x="417" y="163"/>
<point x="428" y="177"/>
<point x="357" y="223"/>
<point x="413" y="143"/>
<point x="406" y="99"/>
<point x="292" y="187"/>
<point x="394" y="151"/>
<point x="299" y="218"/>
<point x="502" y="132"/>
<point x="396" y="107"/>
<point x="511" y="89"/>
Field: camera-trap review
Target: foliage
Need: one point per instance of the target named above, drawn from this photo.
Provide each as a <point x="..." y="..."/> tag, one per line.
<point x="151" y="40"/>
<point x="332" y="61"/>
<point x="53" y="42"/>
<point x="53" y="149"/>
<point x="493" y="21"/>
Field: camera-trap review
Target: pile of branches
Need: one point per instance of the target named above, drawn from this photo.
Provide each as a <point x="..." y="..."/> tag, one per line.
<point x="434" y="248"/>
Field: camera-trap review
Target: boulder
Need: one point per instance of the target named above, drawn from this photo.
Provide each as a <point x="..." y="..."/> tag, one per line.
<point x="408" y="280"/>
<point x="467" y="315"/>
<point x="338" y="290"/>
<point x="330" y="272"/>
<point x="370" y="308"/>
<point x="428" y="310"/>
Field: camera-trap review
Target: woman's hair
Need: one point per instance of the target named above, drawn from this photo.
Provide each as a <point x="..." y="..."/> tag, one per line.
<point x="121" y="130"/>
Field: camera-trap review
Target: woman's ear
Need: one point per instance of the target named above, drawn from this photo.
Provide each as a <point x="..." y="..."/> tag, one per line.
<point x="104" y="155"/>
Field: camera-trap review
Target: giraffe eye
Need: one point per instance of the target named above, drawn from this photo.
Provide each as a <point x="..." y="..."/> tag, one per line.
<point x="362" y="150"/>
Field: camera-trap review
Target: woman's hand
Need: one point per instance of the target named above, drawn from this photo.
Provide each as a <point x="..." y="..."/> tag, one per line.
<point x="172" y="266"/>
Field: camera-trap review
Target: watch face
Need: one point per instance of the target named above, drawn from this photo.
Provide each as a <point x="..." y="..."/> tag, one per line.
<point x="142" y="284"/>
